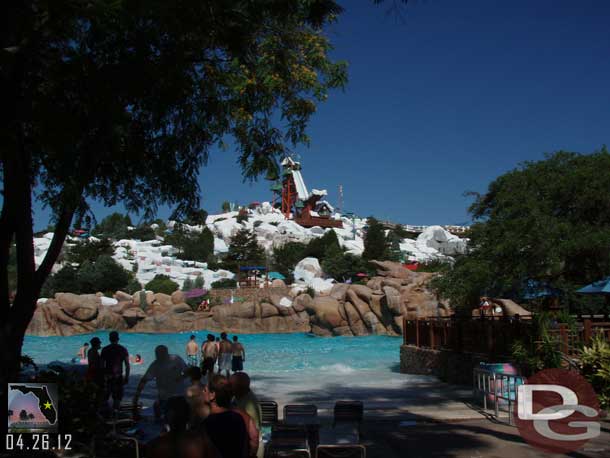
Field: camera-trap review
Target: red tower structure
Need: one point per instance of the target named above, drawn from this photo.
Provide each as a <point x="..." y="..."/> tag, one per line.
<point x="297" y="203"/>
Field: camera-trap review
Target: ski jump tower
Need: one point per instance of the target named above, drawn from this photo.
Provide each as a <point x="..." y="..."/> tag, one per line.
<point x="297" y="203"/>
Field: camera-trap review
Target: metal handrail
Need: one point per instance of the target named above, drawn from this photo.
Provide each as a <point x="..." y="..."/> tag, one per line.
<point x="500" y="386"/>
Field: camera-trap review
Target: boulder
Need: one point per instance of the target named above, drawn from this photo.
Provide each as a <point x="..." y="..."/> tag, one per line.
<point x="278" y="283"/>
<point x="150" y="297"/>
<point x="317" y="330"/>
<point x="375" y="283"/>
<point x="393" y="269"/>
<point x="342" y="331"/>
<point x="107" y="319"/>
<point x="396" y="284"/>
<point x="307" y="269"/>
<point x="301" y="302"/>
<point x="122" y="296"/>
<point x="164" y="300"/>
<point x="363" y="292"/>
<point x="236" y="310"/>
<point x="361" y="307"/>
<point x="177" y="297"/>
<point x="181" y="308"/>
<point x="268" y="310"/>
<point x="82" y="307"/>
<point x="393" y="300"/>
<point x="133" y="315"/>
<point x="338" y="291"/>
<point x="326" y="310"/>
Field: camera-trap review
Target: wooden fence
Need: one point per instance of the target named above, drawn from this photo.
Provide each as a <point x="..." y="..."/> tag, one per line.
<point x="495" y="335"/>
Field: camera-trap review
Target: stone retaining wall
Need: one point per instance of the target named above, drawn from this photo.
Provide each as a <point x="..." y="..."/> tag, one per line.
<point x="449" y="366"/>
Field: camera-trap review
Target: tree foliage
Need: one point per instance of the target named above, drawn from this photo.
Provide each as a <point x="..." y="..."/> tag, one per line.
<point x="243" y="249"/>
<point x="113" y="226"/>
<point x="318" y="248"/>
<point x="376" y="245"/>
<point x="342" y="266"/>
<point x="196" y="246"/>
<point x="161" y="284"/>
<point x="103" y="274"/>
<point x="284" y="258"/>
<point x="547" y="221"/>
<point x="88" y="250"/>
<point x="118" y="101"/>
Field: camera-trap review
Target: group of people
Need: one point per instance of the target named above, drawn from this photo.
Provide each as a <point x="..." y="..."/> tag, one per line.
<point x="212" y="416"/>
<point x="230" y="356"/>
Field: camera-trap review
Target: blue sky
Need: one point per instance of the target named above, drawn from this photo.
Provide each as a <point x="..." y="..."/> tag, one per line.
<point x="441" y="102"/>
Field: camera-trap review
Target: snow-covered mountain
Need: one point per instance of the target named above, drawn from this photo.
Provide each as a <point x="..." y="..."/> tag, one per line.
<point x="149" y="258"/>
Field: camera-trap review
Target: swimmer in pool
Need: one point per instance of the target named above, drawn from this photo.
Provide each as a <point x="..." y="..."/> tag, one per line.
<point x="136" y="359"/>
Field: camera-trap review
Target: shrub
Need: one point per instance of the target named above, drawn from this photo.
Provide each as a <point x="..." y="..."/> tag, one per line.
<point x="162" y="284"/>
<point x="198" y="282"/>
<point x="187" y="285"/>
<point x="133" y="286"/>
<point x="224" y="283"/>
<point x="105" y="274"/>
<point x="595" y="361"/>
<point x="89" y="251"/>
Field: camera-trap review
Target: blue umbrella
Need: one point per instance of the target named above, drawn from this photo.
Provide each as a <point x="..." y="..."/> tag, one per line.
<point x="276" y="276"/>
<point x="598" y="287"/>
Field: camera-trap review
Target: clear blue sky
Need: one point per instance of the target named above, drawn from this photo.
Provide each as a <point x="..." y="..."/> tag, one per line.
<point x="442" y="101"/>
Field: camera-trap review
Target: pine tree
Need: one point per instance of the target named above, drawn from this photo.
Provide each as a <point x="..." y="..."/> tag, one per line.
<point x="244" y="249"/>
<point x="375" y="242"/>
<point x="187" y="285"/>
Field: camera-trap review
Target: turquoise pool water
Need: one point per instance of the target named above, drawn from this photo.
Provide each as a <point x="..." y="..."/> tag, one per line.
<point x="265" y="353"/>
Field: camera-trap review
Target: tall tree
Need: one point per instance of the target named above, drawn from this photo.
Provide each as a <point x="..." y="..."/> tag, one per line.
<point x="375" y="242"/>
<point x="547" y="221"/>
<point x="122" y="101"/>
<point x="244" y="249"/>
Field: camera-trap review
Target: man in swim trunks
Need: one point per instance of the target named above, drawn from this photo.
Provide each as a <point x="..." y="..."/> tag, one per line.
<point x="209" y="353"/>
<point x="113" y="357"/>
<point x="192" y="352"/>
<point x="239" y="356"/>
<point x="225" y="355"/>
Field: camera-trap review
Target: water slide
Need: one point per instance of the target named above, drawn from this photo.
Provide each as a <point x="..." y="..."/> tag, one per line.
<point x="300" y="185"/>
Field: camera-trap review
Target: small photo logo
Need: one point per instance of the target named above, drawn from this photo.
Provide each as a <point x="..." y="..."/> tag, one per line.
<point x="557" y="411"/>
<point x="32" y="408"/>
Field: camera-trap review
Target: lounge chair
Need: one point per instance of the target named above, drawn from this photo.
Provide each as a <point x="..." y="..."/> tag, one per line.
<point x="348" y="413"/>
<point x="269" y="412"/>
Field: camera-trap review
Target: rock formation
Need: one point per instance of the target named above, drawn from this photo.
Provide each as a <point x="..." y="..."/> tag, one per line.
<point x="375" y="308"/>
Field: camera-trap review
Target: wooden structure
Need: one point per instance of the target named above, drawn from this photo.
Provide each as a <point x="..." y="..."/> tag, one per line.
<point x="297" y="203"/>
<point x="495" y="335"/>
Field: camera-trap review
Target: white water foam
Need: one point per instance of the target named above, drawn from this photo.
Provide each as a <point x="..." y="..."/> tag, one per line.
<point x="338" y="369"/>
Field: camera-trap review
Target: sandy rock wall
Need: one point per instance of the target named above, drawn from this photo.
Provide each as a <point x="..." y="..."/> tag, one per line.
<point x="353" y="310"/>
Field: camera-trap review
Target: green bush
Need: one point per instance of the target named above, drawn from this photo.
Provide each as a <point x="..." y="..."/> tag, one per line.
<point x="133" y="286"/>
<point x="161" y="284"/>
<point x="595" y="360"/>
<point x="224" y="283"/>
<point x="198" y="282"/>
<point x="187" y="285"/>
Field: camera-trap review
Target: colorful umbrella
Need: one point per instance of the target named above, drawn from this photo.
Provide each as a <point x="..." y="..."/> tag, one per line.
<point x="276" y="276"/>
<point x="197" y="292"/>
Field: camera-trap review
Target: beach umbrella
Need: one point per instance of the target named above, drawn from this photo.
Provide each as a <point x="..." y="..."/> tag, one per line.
<point x="276" y="276"/>
<point x="598" y="287"/>
<point x="361" y="274"/>
<point x="197" y="292"/>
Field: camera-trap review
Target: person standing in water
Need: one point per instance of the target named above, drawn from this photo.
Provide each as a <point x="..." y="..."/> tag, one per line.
<point x="239" y="356"/>
<point x="209" y="353"/>
<point x="192" y="352"/>
<point x="113" y="357"/>
<point x="82" y="351"/>
<point x="225" y="355"/>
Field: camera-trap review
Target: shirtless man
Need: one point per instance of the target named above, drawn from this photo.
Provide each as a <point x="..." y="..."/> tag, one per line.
<point x="209" y="353"/>
<point x="192" y="351"/>
<point x="225" y="355"/>
<point x="239" y="356"/>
